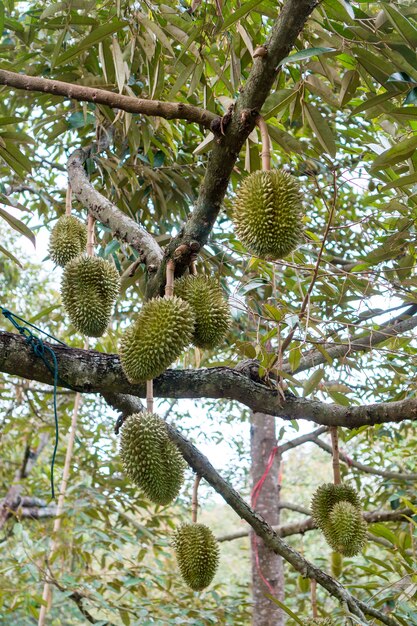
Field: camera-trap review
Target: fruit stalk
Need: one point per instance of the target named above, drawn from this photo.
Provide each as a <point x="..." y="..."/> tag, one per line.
<point x="335" y="454"/>
<point x="266" y="151"/>
<point x="194" y="501"/>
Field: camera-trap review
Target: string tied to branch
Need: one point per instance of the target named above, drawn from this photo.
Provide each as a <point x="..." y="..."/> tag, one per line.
<point x="48" y="356"/>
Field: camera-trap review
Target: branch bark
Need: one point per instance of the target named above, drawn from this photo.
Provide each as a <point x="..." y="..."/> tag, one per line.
<point x="168" y="110"/>
<point x="122" y="226"/>
<point x="89" y="371"/>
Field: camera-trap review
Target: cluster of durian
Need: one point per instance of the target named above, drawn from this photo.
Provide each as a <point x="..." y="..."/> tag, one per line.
<point x="150" y="459"/>
<point x="267" y="214"/>
<point x="198" y="313"/>
<point x="197" y="553"/>
<point x="337" y="511"/>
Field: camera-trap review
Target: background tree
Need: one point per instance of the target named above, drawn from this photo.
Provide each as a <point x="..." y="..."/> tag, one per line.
<point x="152" y="109"/>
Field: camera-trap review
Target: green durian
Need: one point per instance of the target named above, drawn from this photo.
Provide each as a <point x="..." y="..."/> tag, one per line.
<point x="89" y="289"/>
<point x="211" y="310"/>
<point x="68" y="240"/>
<point x="197" y="553"/>
<point x="326" y="496"/>
<point x="150" y="459"/>
<point x="345" y="530"/>
<point x="320" y="621"/>
<point x="336" y="561"/>
<point x="267" y="214"/>
<point x="162" y="330"/>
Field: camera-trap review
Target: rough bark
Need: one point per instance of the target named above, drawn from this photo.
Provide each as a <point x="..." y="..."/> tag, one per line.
<point x="89" y="371"/>
<point x="266" y="564"/>
<point x="168" y="110"/>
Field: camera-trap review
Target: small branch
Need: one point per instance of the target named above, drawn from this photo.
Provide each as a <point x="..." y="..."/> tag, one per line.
<point x="314" y="598"/>
<point x="169" y="285"/>
<point x="299" y="441"/>
<point x="168" y="110"/>
<point x="266" y="144"/>
<point x="68" y="200"/>
<point x="122" y="226"/>
<point x="194" y="501"/>
<point x="90" y="235"/>
<point x="335" y="454"/>
<point x="149" y="396"/>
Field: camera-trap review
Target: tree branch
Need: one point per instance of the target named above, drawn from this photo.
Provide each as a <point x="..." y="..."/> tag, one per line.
<point x="168" y="110"/>
<point x="89" y="371"/>
<point x="122" y="226"/>
<point x="202" y="466"/>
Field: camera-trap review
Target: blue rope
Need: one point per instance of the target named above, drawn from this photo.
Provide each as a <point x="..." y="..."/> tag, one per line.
<point x="40" y="350"/>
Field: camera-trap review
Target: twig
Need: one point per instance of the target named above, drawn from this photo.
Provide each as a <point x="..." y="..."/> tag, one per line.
<point x="266" y="144"/>
<point x="335" y="454"/>
<point x="314" y="598"/>
<point x="149" y="395"/>
<point x="68" y="200"/>
<point x="90" y="235"/>
<point x="169" y="285"/>
<point x="194" y="501"/>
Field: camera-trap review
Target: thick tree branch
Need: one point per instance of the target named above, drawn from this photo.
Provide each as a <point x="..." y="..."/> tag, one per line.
<point x="168" y="110"/>
<point x="230" y="137"/>
<point x="89" y="371"/>
<point x="202" y="466"/>
<point x="122" y="226"/>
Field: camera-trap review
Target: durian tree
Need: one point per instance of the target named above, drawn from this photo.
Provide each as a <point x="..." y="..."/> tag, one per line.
<point x="256" y="150"/>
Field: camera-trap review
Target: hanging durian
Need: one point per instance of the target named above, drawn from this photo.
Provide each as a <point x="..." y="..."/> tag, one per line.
<point x="268" y="214"/>
<point x="68" y="240"/>
<point x="89" y="289"/>
<point x="211" y="310"/>
<point x="336" y="509"/>
<point x="150" y="459"/>
<point x="197" y="553"/>
<point x="162" y="330"/>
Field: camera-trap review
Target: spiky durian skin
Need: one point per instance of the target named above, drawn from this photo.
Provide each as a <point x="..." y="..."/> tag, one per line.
<point x="162" y="330"/>
<point x="336" y="560"/>
<point x="320" y="621"/>
<point x="68" y="240"/>
<point x="89" y="289"/>
<point x="345" y="531"/>
<point x="326" y="496"/>
<point x="197" y="553"/>
<point x="150" y="459"/>
<point x="211" y="310"/>
<point x="267" y="214"/>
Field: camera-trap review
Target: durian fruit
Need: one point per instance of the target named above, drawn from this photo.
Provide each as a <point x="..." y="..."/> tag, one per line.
<point x="320" y="621"/>
<point x="326" y="496"/>
<point x="150" y="459"/>
<point x="68" y="240"/>
<point x="346" y="529"/>
<point x="267" y="214"/>
<point x="89" y="289"/>
<point x="211" y="310"/>
<point x="197" y="553"/>
<point x="336" y="561"/>
<point x="156" y="338"/>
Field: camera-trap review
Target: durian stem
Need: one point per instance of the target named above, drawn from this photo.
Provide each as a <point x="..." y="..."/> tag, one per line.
<point x="149" y="395"/>
<point x="194" y="501"/>
<point x="169" y="287"/>
<point x="335" y="452"/>
<point x="90" y="235"/>
<point x="193" y="268"/>
<point x="314" y="598"/>
<point x="68" y="200"/>
<point x="266" y="145"/>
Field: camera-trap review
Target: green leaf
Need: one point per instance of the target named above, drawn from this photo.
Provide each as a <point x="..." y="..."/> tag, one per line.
<point x="320" y="128"/>
<point x="284" y="608"/>
<point x="339" y="398"/>
<point x="350" y="83"/>
<point x="10" y="256"/>
<point x="311" y="383"/>
<point x="403" y="181"/>
<point x="1" y="17"/>
<point x="241" y="12"/>
<point x="401" y="151"/>
<point x="405" y="28"/>
<point x="285" y="140"/>
<point x="97" y="35"/>
<point x="305" y="54"/>
<point x="18" y="225"/>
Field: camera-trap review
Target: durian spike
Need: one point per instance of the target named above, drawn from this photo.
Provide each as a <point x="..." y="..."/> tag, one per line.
<point x="149" y="395"/>
<point x="314" y="598"/>
<point x="335" y="454"/>
<point x="90" y="235"/>
<point x="266" y="144"/>
<point x="169" y="286"/>
<point x="68" y="200"/>
<point x="194" y="501"/>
